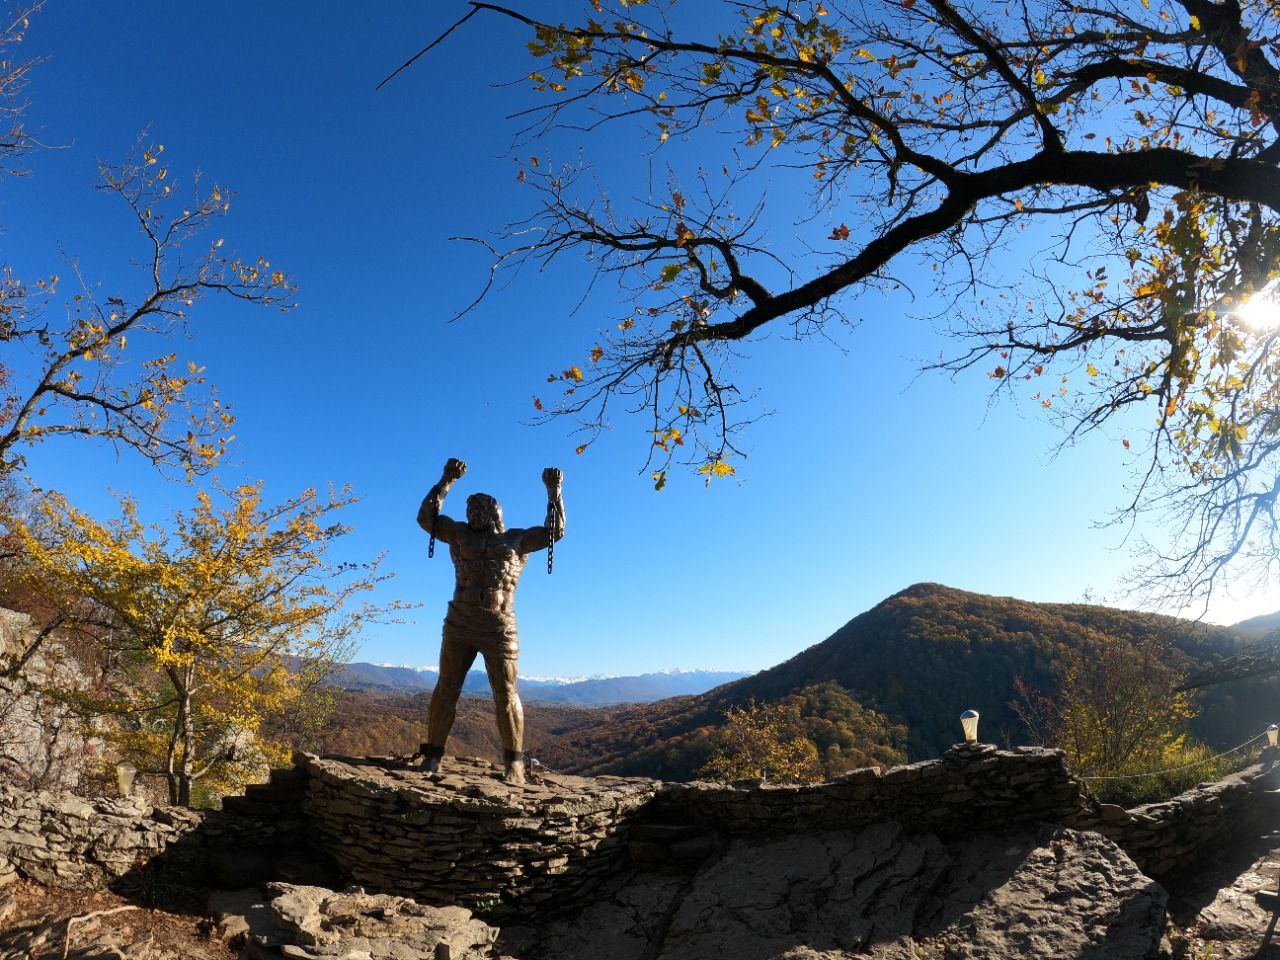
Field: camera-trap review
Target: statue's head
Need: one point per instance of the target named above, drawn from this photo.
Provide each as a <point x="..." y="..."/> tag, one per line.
<point x="483" y="513"/>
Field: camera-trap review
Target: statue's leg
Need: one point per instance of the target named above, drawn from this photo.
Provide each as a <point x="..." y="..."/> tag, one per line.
<point x="501" y="667"/>
<point x="456" y="658"/>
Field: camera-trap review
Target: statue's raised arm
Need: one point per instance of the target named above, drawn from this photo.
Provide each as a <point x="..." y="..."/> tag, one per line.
<point x="430" y="518"/>
<point x="552" y="529"/>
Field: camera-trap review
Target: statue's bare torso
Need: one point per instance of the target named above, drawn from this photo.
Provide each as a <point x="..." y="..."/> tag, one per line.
<point x="487" y="568"/>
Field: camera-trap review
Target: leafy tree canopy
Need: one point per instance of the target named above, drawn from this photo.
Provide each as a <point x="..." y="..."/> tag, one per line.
<point x="214" y="625"/>
<point x="765" y="742"/>
<point x="82" y="362"/>
<point x="1142" y="134"/>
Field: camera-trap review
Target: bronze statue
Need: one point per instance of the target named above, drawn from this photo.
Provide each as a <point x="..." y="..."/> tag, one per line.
<point x="488" y="560"/>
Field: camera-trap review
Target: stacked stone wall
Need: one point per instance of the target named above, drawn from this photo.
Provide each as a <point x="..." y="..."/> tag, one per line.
<point x="966" y="791"/>
<point x="1174" y="835"/>
<point x="68" y="841"/>
<point x="71" y="842"/>
<point x="465" y="837"/>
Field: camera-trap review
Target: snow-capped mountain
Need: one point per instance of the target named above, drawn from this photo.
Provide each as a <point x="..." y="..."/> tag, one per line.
<point x="577" y="691"/>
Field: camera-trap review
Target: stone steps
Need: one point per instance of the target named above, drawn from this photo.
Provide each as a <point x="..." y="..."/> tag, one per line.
<point x="280" y="797"/>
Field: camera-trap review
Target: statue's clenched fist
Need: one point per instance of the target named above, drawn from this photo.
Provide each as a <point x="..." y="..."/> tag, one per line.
<point x="454" y="469"/>
<point x="552" y="478"/>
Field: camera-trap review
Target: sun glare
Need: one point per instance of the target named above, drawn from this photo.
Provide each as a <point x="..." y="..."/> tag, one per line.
<point x="1261" y="311"/>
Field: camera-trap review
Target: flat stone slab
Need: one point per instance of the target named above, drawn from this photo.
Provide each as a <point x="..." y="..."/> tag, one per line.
<point x="463" y="835"/>
<point x="1217" y="908"/>
<point x="878" y="893"/>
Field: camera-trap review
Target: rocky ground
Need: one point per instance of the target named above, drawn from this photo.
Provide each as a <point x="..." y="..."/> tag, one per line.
<point x="875" y="893"/>
<point x="282" y="921"/>
<point x="43" y="923"/>
<point x="1216" y="914"/>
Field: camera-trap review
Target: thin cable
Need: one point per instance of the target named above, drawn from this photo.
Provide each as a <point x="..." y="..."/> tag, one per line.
<point x="1198" y="763"/>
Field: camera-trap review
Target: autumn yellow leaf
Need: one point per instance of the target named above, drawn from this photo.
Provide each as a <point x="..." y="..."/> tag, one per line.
<point x="717" y="468"/>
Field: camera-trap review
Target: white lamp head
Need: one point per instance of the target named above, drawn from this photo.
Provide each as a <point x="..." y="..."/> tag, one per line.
<point x="125" y="772"/>
<point x="1273" y="735"/>
<point x="969" y="723"/>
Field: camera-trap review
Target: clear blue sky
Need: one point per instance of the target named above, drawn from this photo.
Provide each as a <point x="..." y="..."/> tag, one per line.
<point x="863" y="481"/>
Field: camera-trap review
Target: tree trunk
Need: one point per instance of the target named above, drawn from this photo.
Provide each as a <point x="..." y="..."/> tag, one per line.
<point x="186" y="725"/>
<point x="171" y="772"/>
<point x="181" y="764"/>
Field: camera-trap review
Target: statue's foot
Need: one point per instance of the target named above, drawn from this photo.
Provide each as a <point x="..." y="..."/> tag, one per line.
<point x="427" y="758"/>
<point x="514" y="772"/>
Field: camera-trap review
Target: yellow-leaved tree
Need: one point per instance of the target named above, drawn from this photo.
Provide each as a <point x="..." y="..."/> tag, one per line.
<point x="763" y="741"/>
<point x="1120" y="715"/>
<point x="209" y="625"/>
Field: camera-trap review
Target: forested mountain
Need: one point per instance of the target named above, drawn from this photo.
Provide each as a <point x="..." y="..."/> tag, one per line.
<point x="919" y="659"/>
<point x="1267" y="623"/>
<point x="378" y="724"/>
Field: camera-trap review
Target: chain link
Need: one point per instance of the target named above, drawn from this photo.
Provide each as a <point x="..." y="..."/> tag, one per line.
<point x="553" y="532"/>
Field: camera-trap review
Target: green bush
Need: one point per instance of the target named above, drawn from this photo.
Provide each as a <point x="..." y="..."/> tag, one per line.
<point x="1185" y="763"/>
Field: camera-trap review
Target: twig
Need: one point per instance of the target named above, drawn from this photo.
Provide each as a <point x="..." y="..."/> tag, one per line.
<point x="408" y="63"/>
<point x="71" y="921"/>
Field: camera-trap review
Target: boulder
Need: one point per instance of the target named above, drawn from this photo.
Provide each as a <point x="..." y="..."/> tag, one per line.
<point x="877" y="892"/>
<point x="314" y="923"/>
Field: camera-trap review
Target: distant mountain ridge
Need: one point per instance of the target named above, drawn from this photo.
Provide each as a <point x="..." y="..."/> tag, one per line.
<point x="588" y="691"/>
<point x="1267" y="623"/>
<point x="921" y="657"/>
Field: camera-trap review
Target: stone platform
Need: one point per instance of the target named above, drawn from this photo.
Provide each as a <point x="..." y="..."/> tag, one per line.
<point x="433" y="837"/>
